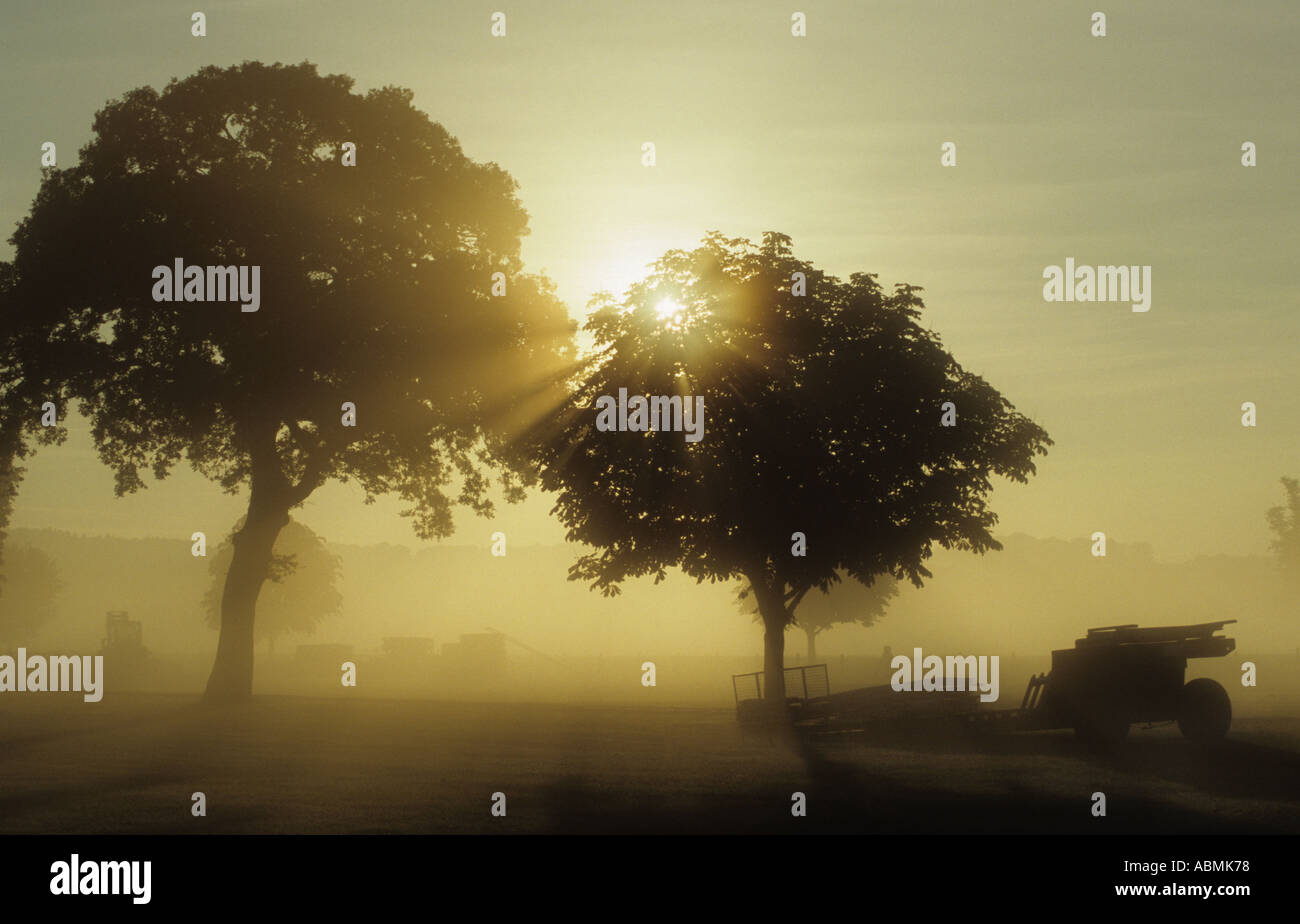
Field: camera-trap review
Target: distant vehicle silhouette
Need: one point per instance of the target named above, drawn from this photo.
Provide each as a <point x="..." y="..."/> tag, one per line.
<point x="1111" y="678"/>
<point x="1118" y="675"/>
<point x="123" y="646"/>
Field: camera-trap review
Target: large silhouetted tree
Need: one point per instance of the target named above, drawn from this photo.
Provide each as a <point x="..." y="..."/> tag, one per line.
<point x="823" y="416"/>
<point x="376" y="289"/>
<point x="301" y="589"/>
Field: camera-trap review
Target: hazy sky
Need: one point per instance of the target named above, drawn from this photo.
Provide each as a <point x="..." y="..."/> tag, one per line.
<point x="1124" y="149"/>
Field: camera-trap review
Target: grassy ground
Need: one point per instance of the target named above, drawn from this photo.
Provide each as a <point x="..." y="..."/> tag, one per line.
<point x="307" y="765"/>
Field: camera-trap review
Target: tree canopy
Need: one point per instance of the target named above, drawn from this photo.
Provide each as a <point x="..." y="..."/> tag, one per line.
<point x="376" y="294"/>
<point x="824" y="418"/>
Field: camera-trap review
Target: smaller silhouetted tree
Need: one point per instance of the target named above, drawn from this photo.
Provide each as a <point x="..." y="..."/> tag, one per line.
<point x="31" y="590"/>
<point x="845" y="602"/>
<point x="1285" y="522"/>
<point x="302" y="587"/>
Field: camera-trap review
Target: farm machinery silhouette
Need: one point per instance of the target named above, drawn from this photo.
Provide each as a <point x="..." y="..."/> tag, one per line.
<point x="1112" y="678"/>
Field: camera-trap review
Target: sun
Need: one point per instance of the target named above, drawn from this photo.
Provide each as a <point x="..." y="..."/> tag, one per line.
<point x="669" y="312"/>
<point x="667" y="308"/>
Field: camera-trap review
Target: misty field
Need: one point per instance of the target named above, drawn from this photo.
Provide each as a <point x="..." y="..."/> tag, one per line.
<point x="325" y="765"/>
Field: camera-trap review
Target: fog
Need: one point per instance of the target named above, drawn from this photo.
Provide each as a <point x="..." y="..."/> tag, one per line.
<point x="404" y="612"/>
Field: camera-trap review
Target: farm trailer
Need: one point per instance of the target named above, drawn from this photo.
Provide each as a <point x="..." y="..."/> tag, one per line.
<point x="1113" y="677"/>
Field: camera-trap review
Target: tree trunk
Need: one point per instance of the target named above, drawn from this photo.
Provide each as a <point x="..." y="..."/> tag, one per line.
<point x="812" y="643"/>
<point x="775" y="620"/>
<point x="232" y="672"/>
<point x="771" y="607"/>
<point x="774" y="658"/>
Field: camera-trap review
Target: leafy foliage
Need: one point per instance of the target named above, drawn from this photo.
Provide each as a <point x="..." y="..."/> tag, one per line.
<point x="375" y="289"/>
<point x="302" y="588"/>
<point x="822" y="416"/>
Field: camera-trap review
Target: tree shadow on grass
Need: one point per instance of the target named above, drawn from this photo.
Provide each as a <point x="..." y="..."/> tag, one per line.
<point x="847" y="793"/>
<point x="1234" y="769"/>
<point x="844" y="797"/>
<point x="123" y="804"/>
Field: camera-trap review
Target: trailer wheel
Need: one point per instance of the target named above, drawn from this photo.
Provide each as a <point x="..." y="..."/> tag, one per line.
<point x="1204" y="711"/>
